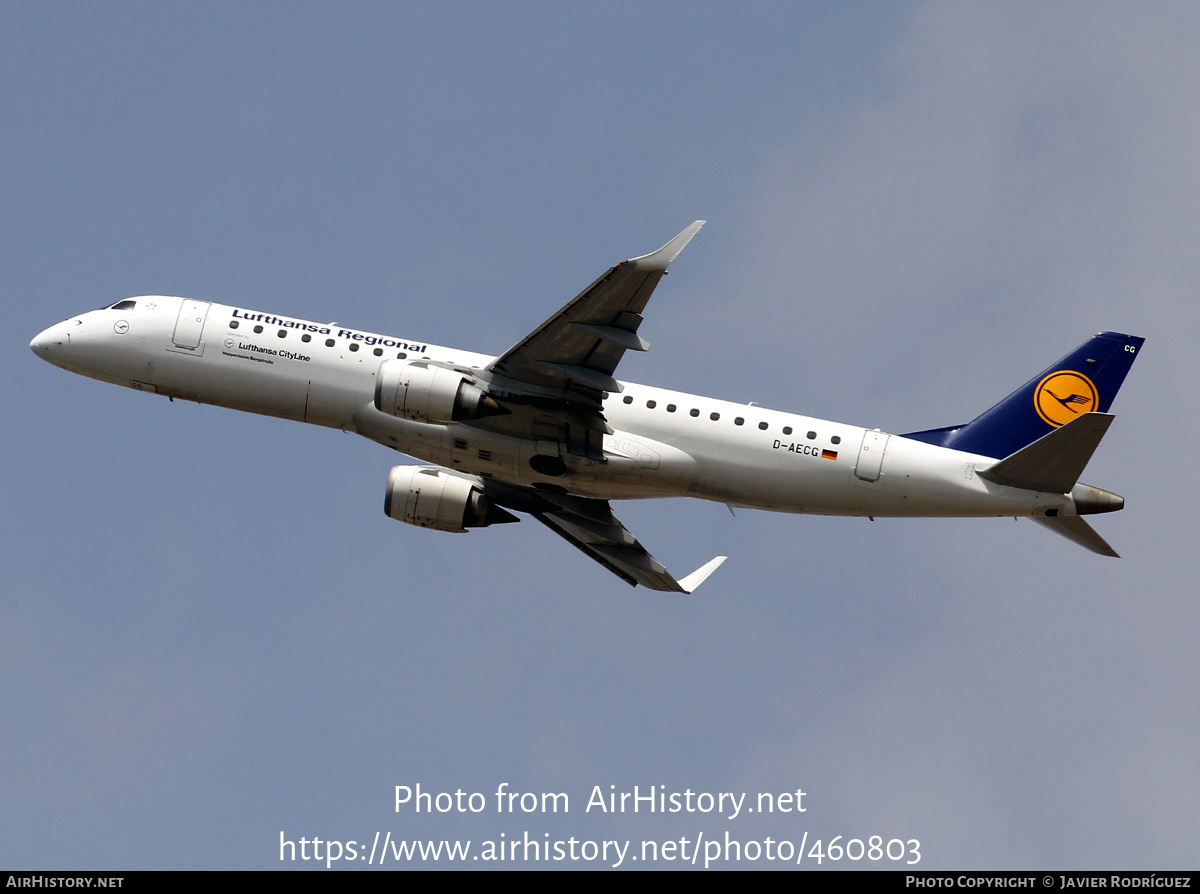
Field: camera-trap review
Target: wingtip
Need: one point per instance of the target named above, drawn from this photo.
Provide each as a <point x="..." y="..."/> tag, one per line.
<point x="661" y="259"/>
<point x="700" y="575"/>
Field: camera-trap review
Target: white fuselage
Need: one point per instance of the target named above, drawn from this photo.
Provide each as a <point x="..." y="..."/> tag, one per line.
<point x="664" y="443"/>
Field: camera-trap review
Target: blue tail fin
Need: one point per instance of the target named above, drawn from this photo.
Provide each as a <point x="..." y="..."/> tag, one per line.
<point x="1085" y="380"/>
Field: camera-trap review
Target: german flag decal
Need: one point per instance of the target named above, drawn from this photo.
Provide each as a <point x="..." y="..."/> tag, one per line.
<point x="828" y="454"/>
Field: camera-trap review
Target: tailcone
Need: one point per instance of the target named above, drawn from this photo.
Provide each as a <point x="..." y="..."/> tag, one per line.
<point x="1094" y="500"/>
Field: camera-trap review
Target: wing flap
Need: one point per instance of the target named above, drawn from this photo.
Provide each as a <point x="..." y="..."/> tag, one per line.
<point x="601" y="535"/>
<point x="578" y="543"/>
<point x="590" y="526"/>
<point x="583" y="527"/>
<point x="632" y="563"/>
<point x="583" y="375"/>
<point x="624" y="338"/>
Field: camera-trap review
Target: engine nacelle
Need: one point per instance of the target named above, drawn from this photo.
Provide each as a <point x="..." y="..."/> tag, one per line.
<point x="425" y="393"/>
<point x="429" y="497"/>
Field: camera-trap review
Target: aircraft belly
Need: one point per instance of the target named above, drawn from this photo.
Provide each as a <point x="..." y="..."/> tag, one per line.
<point x="332" y="399"/>
<point x="919" y="479"/>
<point x="637" y="466"/>
<point x="782" y="473"/>
<point x="913" y="479"/>
<point x="269" y="391"/>
<point x="634" y="467"/>
<point x="270" y="386"/>
<point x="421" y="440"/>
<point x="178" y="375"/>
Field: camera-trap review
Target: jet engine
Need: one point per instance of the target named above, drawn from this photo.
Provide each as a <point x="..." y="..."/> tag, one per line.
<point x="429" y="497"/>
<point x="425" y="393"/>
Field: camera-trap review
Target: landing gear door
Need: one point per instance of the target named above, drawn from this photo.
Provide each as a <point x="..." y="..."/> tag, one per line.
<point x="189" y="327"/>
<point x="870" y="455"/>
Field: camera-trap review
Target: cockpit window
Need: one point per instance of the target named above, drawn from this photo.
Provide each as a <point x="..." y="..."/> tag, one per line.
<point x="127" y="304"/>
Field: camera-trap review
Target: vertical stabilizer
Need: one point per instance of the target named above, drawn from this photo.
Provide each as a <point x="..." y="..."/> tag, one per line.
<point x="1084" y="381"/>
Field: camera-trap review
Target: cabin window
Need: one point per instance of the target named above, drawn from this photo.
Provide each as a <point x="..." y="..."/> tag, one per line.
<point x="714" y="416"/>
<point x="836" y="439"/>
<point x="283" y="333"/>
<point x="739" y="421"/>
<point x="694" y="412"/>
<point x="401" y="356"/>
<point x="812" y="435"/>
<point x="257" y="330"/>
<point x="627" y="399"/>
<point x="787" y="429"/>
<point x="651" y="404"/>
<point x="378" y="352"/>
<point x="306" y="338"/>
<point x="329" y="342"/>
<point x="353" y="346"/>
<point x="233" y="324"/>
<point x="671" y="408"/>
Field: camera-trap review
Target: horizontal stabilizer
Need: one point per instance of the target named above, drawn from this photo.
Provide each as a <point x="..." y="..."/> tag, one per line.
<point x="1054" y="462"/>
<point x="1079" y="531"/>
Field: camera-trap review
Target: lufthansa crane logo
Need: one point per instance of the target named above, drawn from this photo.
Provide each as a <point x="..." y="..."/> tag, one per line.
<point x="1063" y="395"/>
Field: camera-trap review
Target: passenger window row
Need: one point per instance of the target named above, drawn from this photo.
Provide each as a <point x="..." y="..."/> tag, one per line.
<point x="738" y="420"/>
<point x="329" y="342"/>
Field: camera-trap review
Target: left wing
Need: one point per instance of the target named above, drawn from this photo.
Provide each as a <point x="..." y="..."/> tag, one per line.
<point x="590" y="525"/>
<point x="558" y="374"/>
<point x="580" y="346"/>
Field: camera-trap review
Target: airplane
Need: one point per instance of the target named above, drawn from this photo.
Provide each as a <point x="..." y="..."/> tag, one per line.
<point x="545" y="429"/>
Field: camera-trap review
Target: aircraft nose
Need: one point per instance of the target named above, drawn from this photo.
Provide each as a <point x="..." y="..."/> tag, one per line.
<point x="41" y="342"/>
<point x="50" y="340"/>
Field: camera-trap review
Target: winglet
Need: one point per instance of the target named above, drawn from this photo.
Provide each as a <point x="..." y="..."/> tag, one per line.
<point x="661" y="259"/>
<point x="700" y="575"/>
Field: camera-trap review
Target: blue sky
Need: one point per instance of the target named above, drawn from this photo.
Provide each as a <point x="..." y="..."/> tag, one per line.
<point x="210" y="633"/>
